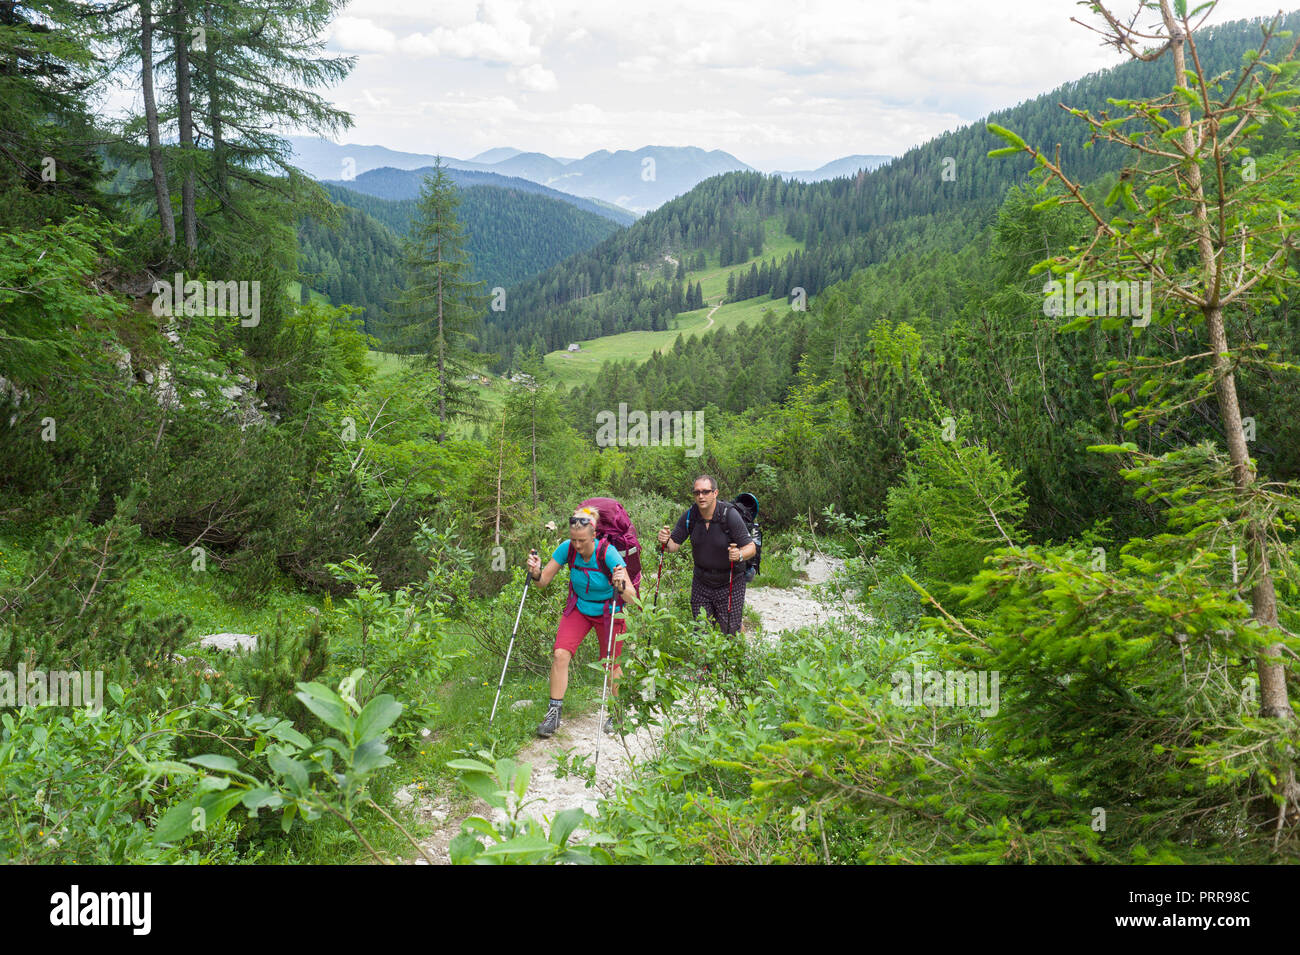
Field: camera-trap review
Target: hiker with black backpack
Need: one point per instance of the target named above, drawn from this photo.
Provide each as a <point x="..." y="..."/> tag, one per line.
<point x="596" y="570"/>
<point x="722" y="546"/>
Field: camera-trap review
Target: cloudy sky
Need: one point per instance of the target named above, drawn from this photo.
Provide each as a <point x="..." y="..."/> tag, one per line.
<point x="781" y="84"/>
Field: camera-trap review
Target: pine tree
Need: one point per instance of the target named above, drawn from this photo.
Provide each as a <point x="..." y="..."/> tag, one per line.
<point x="437" y="313"/>
<point x="44" y="71"/>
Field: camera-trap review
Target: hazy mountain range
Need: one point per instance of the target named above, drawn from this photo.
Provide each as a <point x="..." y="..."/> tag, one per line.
<point x="638" y="180"/>
<point x="847" y="166"/>
<point x="388" y="182"/>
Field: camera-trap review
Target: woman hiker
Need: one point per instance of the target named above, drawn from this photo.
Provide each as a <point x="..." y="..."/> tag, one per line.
<point x="591" y="603"/>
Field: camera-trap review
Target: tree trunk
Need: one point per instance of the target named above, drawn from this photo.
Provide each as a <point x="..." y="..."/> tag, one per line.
<point x="534" y="406"/>
<point x="214" y="112"/>
<point x="166" y="220"/>
<point x="1272" y="676"/>
<point x="442" y="357"/>
<point x="186" y="118"/>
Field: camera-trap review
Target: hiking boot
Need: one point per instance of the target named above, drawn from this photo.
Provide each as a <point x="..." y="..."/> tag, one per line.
<point x="610" y="727"/>
<point x="551" y="723"/>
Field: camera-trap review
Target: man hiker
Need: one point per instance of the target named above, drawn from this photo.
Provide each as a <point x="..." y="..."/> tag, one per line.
<point x="594" y="573"/>
<point x="717" y="542"/>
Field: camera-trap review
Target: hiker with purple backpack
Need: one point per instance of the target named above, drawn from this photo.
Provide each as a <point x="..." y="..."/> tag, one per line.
<point x="602" y="555"/>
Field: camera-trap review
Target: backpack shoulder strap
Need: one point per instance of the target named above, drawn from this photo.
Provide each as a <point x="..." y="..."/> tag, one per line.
<point x="569" y="562"/>
<point x="720" y="514"/>
<point x="602" y="558"/>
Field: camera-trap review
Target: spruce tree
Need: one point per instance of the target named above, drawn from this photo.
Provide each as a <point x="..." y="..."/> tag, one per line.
<point x="436" y="315"/>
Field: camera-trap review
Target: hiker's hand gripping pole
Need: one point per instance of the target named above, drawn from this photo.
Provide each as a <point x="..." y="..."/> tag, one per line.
<point x="659" y="573"/>
<point x="528" y="578"/>
<point x="733" y="552"/>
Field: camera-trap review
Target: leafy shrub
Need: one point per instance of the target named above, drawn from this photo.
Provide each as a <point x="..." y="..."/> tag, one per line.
<point x="518" y="839"/>
<point x="82" y="787"/>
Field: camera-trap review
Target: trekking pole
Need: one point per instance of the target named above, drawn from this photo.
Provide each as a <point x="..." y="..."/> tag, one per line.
<point x="662" y="548"/>
<point x="730" y="580"/>
<point x="600" y="729"/>
<point x="527" y="580"/>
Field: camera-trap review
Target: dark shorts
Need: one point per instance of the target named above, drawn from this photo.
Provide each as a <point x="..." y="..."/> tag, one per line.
<point x="714" y="600"/>
<point x="575" y="626"/>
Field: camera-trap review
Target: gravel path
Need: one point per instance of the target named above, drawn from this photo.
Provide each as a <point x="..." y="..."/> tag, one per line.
<point x="804" y="605"/>
<point x="552" y="794"/>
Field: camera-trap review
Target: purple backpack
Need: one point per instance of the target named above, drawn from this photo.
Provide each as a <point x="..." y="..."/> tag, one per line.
<point x="614" y="527"/>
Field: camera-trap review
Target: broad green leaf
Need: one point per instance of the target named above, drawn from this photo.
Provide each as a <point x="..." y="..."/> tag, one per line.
<point x="522" y="775"/>
<point x="469" y="765"/>
<point x="289" y="768"/>
<point x="175" y="823"/>
<point x="564" y="824"/>
<point x="463" y="849"/>
<point x="479" y="824"/>
<point x="256" y="799"/>
<point x="323" y="702"/>
<point x="379" y="714"/>
<point x="214" y="761"/>
<point x="486" y="788"/>
<point x="528" y="846"/>
<point x="370" y="756"/>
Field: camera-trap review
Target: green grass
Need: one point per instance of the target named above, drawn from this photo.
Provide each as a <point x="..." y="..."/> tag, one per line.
<point x="385" y="364"/>
<point x="778" y="569"/>
<point x="582" y="368"/>
<point x="776" y="245"/>
<point x="295" y="293"/>
<point x="167" y="584"/>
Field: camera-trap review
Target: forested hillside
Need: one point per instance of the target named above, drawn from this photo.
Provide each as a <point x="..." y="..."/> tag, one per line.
<point x="939" y="187"/>
<point x="511" y="237"/>
<point x="399" y="184"/>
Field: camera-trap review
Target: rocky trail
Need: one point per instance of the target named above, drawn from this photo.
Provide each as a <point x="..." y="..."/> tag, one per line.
<point x="805" y="605"/>
<point x="548" y="793"/>
<point x="710" y="315"/>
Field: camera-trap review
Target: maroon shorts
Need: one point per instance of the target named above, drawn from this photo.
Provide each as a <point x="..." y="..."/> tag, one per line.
<point x="575" y="625"/>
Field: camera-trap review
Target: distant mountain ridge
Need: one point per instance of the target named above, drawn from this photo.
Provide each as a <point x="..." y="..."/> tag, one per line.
<point x="640" y="180"/>
<point x="393" y="183"/>
<point x="836" y="168"/>
<point x="843" y="224"/>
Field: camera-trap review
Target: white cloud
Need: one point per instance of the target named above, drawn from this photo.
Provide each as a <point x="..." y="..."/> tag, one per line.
<point x="354" y="35"/>
<point x="498" y="31"/>
<point x="533" y="77"/>
<point x="777" y="84"/>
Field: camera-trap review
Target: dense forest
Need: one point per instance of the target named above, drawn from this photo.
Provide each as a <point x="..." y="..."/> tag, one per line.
<point x="295" y="564"/>
<point x="512" y="236"/>
<point x="845" y="224"/>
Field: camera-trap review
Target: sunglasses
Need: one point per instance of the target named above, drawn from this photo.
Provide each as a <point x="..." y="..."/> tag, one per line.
<point x="584" y="521"/>
<point x="697" y="492"/>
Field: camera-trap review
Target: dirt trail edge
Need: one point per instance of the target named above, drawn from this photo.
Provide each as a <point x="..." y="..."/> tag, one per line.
<point x="804" y="605"/>
<point x="577" y="736"/>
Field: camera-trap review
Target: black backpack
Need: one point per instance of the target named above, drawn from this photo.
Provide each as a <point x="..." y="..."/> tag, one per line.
<point x="747" y="506"/>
